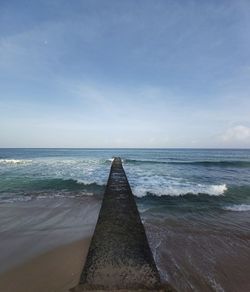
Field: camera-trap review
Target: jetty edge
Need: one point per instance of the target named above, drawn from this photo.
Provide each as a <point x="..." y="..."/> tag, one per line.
<point x="119" y="256"/>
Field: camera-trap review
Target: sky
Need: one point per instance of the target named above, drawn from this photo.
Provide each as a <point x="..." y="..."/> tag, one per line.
<point x="115" y="73"/>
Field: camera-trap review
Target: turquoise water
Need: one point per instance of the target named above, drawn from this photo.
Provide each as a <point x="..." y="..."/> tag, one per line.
<point x="194" y="203"/>
<point x="175" y="178"/>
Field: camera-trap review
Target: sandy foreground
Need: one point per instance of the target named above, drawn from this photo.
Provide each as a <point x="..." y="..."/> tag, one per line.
<point x="44" y="243"/>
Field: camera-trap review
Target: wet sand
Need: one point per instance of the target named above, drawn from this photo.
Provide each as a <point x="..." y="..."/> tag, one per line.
<point x="206" y="252"/>
<point x="56" y="270"/>
<point x="44" y="243"/>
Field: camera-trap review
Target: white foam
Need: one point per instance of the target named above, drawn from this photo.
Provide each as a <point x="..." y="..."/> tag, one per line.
<point x="238" y="208"/>
<point x="112" y="159"/>
<point x="217" y="190"/>
<point x="180" y="190"/>
<point x="16" y="199"/>
<point x="14" y="161"/>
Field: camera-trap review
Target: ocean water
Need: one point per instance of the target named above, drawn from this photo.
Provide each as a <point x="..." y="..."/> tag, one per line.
<point x="220" y="178"/>
<point x="195" y="203"/>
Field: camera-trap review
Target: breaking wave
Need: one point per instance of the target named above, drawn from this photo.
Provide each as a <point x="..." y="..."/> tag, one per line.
<point x="28" y="184"/>
<point x="212" y="190"/>
<point x="49" y="188"/>
<point x="238" y="208"/>
<point x="68" y="184"/>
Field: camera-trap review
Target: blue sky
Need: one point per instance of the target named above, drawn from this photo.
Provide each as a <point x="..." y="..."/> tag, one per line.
<point x="139" y="73"/>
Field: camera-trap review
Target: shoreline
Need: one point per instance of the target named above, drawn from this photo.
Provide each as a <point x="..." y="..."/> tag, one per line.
<point x="57" y="270"/>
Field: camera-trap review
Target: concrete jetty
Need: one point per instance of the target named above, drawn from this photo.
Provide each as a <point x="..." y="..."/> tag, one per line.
<point x="119" y="256"/>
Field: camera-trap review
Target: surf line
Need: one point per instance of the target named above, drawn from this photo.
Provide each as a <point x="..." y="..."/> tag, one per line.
<point x="119" y="256"/>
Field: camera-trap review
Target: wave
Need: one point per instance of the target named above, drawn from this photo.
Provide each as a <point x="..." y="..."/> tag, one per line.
<point x="29" y="184"/>
<point x="219" y="163"/>
<point x="235" y="198"/>
<point x="27" y="190"/>
<point x="199" y="189"/>
<point x="69" y="184"/>
<point x="238" y="208"/>
<point x="112" y="159"/>
<point x="14" y="161"/>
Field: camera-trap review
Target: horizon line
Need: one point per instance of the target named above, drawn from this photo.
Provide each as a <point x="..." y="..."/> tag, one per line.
<point x="133" y="148"/>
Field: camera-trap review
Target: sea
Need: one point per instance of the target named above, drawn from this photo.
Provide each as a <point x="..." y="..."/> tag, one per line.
<point x="194" y="203"/>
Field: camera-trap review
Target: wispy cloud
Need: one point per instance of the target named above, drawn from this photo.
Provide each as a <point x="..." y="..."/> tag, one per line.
<point x="237" y="134"/>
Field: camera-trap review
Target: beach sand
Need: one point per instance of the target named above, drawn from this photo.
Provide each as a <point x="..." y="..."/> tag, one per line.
<point x="44" y="243"/>
<point x="56" y="270"/>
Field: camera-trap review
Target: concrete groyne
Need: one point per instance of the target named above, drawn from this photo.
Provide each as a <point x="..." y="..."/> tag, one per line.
<point x="119" y="256"/>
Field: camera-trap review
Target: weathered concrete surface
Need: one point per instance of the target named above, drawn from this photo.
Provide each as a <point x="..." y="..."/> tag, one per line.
<point x="119" y="257"/>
